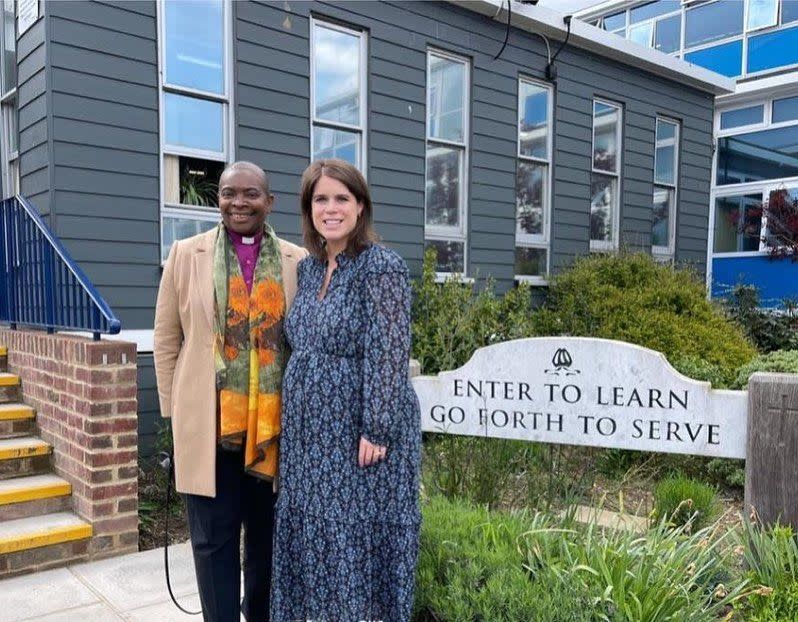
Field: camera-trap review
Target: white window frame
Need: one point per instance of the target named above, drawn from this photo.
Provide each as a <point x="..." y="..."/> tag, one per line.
<point x="743" y="36"/>
<point x="438" y="232"/>
<point x="9" y="158"/>
<point x="178" y="210"/>
<point x="362" y="127"/>
<point x="611" y="245"/>
<point x="764" y="187"/>
<point x="541" y="240"/>
<point x="667" y="252"/>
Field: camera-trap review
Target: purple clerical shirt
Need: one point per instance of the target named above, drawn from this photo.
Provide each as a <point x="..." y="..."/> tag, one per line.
<point x="247" y="249"/>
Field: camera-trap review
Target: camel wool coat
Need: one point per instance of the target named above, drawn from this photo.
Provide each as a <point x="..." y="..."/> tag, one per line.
<point x="183" y="352"/>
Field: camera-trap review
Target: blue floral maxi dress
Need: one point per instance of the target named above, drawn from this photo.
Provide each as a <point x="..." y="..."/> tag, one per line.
<point x="346" y="537"/>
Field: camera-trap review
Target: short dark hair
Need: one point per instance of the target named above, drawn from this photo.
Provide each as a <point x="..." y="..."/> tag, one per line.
<point x="247" y="166"/>
<point x="363" y="235"/>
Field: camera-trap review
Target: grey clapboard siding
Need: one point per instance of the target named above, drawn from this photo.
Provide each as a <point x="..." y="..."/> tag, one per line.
<point x="34" y="171"/>
<point x="149" y="411"/>
<point x="105" y="147"/>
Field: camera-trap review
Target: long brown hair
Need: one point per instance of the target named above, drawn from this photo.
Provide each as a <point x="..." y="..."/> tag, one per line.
<point x="363" y="234"/>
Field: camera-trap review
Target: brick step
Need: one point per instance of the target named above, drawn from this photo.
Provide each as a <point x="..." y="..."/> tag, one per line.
<point x="3" y="359"/>
<point x="16" y="420"/>
<point x="42" y="541"/>
<point x="33" y="495"/>
<point x="43" y="558"/>
<point x="9" y="388"/>
<point x="25" y="455"/>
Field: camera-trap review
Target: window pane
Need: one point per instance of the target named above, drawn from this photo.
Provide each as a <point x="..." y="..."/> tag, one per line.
<point x="738" y="221"/>
<point x="336" y="75"/>
<point x="785" y="109"/>
<point x="329" y="143"/>
<point x="781" y="223"/>
<point x="533" y="125"/>
<point x="9" y="47"/>
<point x="669" y="34"/>
<point x="789" y="11"/>
<point x="177" y="228"/>
<point x="615" y="21"/>
<point x="756" y="156"/>
<point x="742" y="116"/>
<point x="653" y="9"/>
<point x="663" y="208"/>
<point x="194" y="44"/>
<point x="530" y="261"/>
<point x="443" y="186"/>
<point x="194" y="123"/>
<point x="446" y="99"/>
<point x="530" y="197"/>
<point x="710" y="22"/>
<point x="726" y="59"/>
<point x="451" y="255"/>
<point x="665" y="154"/>
<point x="603" y="191"/>
<point x="762" y="13"/>
<point x="606" y="120"/>
<point x="197" y="181"/>
<point x="774" y="49"/>
<point x="642" y="33"/>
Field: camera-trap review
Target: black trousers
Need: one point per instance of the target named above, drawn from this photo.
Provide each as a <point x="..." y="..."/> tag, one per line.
<point x="215" y="525"/>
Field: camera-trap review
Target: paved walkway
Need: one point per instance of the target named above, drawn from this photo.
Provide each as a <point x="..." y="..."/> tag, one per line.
<point x="131" y="587"/>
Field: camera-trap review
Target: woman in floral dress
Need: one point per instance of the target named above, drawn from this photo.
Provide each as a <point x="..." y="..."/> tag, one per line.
<point x="346" y="531"/>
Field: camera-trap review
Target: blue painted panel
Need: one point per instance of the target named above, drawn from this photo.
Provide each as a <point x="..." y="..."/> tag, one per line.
<point x="776" y="279"/>
<point x="773" y="49"/>
<point x="726" y="58"/>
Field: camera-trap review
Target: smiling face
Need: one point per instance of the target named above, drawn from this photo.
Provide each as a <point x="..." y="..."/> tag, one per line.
<point x="244" y="201"/>
<point x="335" y="212"/>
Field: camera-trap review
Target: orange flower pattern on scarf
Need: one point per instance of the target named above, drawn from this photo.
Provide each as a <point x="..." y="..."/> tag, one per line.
<point x="249" y="352"/>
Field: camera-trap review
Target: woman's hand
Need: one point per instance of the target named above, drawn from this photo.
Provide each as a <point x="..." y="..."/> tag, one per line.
<point x="369" y="453"/>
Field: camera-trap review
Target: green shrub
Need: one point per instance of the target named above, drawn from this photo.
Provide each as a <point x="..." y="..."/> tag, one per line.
<point x="726" y="472"/>
<point x="769" y="331"/>
<point x="476" y="565"/>
<point x="685" y="502"/>
<point x="452" y="319"/>
<point x="771" y="559"/>
<point x="470" y="568"/>
<point x="630" y="297"/>
<point x="781" y="361"/>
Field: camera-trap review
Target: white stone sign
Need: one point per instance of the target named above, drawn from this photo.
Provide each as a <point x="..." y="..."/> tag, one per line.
<point x="583" y="391"/>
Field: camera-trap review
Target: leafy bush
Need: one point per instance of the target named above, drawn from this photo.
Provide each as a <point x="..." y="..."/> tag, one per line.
<point x="769" y="331"/>
<point x="476" y="565"/>
<point x="726" y="472"/>
<point x="771" y="559"/>
<point x="685" y="502"/>
<point x="781" y="361"/>
<point x="452" y="319"/>
<point x="497" y="472"/>
<point x="470" y="568"/>
<point x="630" y="297"/>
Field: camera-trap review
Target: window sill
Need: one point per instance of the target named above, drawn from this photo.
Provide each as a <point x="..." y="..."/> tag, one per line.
<point x="537" y="281"/>
<point x="443" y="277"/>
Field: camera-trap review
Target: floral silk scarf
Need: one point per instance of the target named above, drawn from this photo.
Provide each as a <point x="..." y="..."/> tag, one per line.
<point x="249" y="351"/>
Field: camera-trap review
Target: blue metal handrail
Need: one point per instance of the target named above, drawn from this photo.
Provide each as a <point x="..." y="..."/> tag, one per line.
<point x="40" y="283"/>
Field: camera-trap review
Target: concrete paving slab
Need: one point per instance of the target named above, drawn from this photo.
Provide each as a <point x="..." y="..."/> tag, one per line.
<point x="137" y="580"/>
<point x="93" y="613"/>
<point x="35" y="595"/>
<point x="165" y="611"/>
